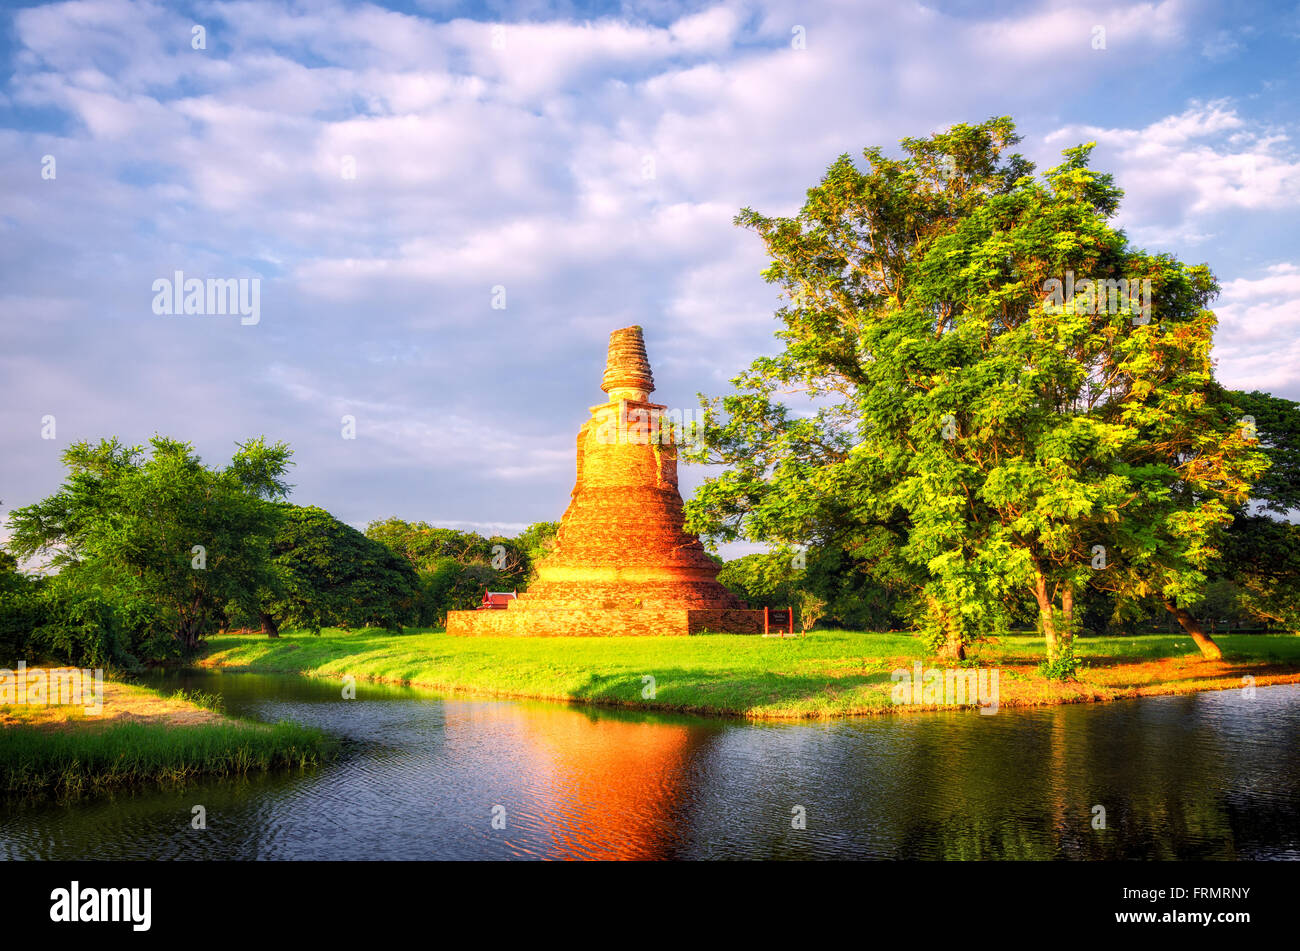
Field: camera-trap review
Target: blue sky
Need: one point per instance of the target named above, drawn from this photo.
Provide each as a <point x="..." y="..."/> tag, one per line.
<point x="509" y="145"/>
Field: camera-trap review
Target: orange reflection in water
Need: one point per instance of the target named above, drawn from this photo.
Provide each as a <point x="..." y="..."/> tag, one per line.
<point x="605" y="788"/>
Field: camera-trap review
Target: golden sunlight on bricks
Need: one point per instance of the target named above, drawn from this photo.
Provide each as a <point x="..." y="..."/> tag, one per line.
<point x="623" y="564"/>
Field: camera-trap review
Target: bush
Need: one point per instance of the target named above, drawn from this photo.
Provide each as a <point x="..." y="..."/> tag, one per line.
<point x="93" y="626"/>
<point x="22" y="610"/>
<point x="1063" y="666"/>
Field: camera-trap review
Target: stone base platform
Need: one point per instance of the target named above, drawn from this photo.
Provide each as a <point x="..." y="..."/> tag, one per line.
<point x="597" y="622"/>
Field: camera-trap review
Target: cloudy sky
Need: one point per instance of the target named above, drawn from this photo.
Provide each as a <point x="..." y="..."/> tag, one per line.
<point x="390" y="170"/>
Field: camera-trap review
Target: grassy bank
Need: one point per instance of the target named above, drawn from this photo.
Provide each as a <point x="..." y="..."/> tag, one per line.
<point x="34" y="760"/>
<point x="827" y="674"/>
<point x="140" y="736"/>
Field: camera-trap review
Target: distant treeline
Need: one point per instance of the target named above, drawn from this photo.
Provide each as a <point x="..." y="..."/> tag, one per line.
<point x="149" y="552"/>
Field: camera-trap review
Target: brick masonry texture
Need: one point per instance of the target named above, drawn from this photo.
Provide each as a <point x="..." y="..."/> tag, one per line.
<point x="623" y="564"/>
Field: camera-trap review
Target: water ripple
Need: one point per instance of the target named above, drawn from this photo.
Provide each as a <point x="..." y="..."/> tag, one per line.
<point x="1209" y="775"/>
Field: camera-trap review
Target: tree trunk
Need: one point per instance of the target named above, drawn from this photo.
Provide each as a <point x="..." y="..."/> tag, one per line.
<point x="187" y="632"/>
<point x="1067" y="612"/>
<point x="269" y="627"/>
<point x="1209" y="649"/>
<point x="1045" y="615"/>
<point x="953" y="648"/>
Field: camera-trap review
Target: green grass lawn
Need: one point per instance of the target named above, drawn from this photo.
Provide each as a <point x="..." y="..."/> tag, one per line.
<point x="827" y="674"/>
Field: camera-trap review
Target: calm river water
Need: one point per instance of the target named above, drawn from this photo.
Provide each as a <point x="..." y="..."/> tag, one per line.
<point x="1211" y="775"/>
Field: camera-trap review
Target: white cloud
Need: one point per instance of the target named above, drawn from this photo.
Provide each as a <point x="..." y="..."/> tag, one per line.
<point x="1182" y="170"/>
<point x="1258" y="342"/>
<point x="1063" y="34"/>
<point x="521" y="166"/>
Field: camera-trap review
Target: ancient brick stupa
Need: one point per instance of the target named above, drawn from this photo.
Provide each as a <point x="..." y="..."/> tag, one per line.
<point x="622" y="563"/>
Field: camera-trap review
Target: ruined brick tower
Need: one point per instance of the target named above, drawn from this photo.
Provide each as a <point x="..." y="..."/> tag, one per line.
<point x="623" y="563"/>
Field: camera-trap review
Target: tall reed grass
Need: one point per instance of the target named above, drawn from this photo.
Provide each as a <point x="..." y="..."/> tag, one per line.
<point x="34" y="760"/>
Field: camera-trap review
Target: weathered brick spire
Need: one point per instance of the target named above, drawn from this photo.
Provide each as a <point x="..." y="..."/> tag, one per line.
<point x="623" y="561"/>
<point x="627" y="371"/>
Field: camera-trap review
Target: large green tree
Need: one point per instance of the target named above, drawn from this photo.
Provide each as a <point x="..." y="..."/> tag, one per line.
<point x="161" y="529"/>
<point x="327" y="573"/>
<point x="991" y="401"/>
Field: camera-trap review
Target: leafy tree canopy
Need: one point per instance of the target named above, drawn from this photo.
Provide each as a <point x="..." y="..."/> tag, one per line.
<point x="162" y="529"/>
<point x="329" y="574"/>
<point x="1000" y="387"/>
